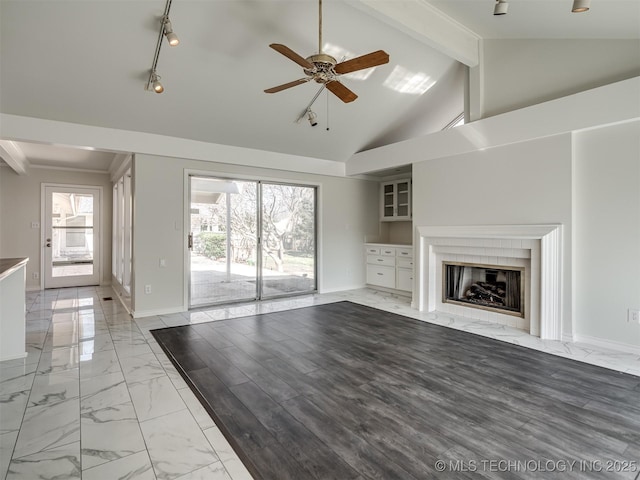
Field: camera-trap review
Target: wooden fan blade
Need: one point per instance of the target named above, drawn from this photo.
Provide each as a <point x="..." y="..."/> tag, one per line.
<point x="369" y="60"/>
<point x="290" y="54"/>
<point x="284" y="86"/>
<point x="342" y="92"/>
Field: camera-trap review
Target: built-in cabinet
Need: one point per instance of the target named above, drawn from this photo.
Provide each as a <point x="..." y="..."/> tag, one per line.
<point x="390" y="266"/>
<point x="395" y="200"/>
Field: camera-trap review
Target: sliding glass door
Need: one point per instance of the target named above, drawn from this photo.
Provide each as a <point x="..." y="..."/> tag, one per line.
<point x="250" y="240"/>
<point x="223" y="241"/>
<point x="288" y="239"/>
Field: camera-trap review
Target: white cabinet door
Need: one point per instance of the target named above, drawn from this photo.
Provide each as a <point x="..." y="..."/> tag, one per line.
<point x="381" y="276"/>
<point x="405" y="279"/>
<point x="395" y="200"/>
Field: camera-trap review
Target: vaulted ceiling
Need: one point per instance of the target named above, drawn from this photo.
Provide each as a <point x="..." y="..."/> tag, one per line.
<point x="87" y="62"/>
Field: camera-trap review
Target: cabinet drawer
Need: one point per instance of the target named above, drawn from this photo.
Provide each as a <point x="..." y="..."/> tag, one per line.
<point x="372" y="250"/>
<point x="381" y="276"/>
<point x="405" y="262"/>
<point x="388" y="251"/>
<point x="404" y="279"/>
<point x="381" y="260"/>
<point x="404" y="252"/>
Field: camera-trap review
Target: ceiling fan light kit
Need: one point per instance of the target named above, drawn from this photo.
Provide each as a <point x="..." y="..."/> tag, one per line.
<point x="325" y="69"/>
<point x="312" y="117"/>
<point x="166" y="30"/>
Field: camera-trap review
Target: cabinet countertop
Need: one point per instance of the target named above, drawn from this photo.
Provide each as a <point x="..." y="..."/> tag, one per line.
<point x="10" y="265"/>
<point x="397" y="245"/>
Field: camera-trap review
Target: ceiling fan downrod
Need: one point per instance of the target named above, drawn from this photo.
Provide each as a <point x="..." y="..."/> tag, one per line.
<point x="320" y="27"/>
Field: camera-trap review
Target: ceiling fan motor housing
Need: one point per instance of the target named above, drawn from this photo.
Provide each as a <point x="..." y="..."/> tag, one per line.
<point x="323" y="71"/>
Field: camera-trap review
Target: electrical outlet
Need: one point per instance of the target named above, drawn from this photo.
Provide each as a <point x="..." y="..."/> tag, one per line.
<point x="35" y="224"/>
<point x="633" y="316"/>
<point x="35" y="275"/>
<point x="163" y="262"/>
<point x="147" y="289"/>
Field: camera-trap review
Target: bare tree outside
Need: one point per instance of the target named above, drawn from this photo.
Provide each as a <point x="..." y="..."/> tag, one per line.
<point x="287" y="223"/>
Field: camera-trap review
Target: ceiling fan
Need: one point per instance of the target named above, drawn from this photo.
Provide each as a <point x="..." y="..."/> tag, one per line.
<point x="324" y="68"/>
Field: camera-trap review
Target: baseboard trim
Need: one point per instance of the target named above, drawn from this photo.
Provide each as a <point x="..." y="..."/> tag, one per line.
<point x="14" y="357"/>
<point x="393" y="291"/>
<point x="610" y="344"/>
<point x="151" y="313"/>
<point x="341" y="289"/>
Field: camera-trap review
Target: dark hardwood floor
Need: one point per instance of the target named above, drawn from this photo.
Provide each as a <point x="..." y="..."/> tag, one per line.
<point x="347" y="392"/>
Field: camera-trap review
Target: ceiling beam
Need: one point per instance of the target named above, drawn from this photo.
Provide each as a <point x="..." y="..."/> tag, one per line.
<point x="611" y="104"/>
<point x="119" y="165"/>
<point x="427" y="24"/>
<point x="13" y="155"/>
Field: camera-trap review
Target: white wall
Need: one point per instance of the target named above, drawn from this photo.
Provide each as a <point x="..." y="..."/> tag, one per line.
<point x="607" y="232"/>
<point x="348" y="211"/>
<point x="20" y="205"/>
<point x="518" y="73"/>
<point x="522" y="183"/>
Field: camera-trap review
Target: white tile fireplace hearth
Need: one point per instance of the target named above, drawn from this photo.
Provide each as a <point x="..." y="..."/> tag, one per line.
<point x="537" y="248"/>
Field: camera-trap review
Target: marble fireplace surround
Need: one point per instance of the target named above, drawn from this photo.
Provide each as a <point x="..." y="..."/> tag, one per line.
<point x="542" y="244"/>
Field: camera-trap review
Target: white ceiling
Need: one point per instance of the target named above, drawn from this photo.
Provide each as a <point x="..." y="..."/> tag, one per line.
<point x="66" y="157"/>
<point x="607" y="19"/>
<point x="87" y="62"/>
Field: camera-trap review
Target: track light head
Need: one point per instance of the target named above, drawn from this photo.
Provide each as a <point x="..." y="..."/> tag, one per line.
<point x="155" y="83"/>
<point x="172" y="38"/>
<point x="580" y="6"/>
<point x="313" y="118"/>
<point x="501" y="7"/>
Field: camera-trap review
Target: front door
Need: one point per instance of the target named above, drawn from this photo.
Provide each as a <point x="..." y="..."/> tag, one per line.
<point x="71" y="236"/>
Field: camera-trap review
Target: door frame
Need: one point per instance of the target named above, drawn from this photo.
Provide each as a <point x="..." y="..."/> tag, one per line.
<point x="97" y="228"/>
<point x="231" y="175"/>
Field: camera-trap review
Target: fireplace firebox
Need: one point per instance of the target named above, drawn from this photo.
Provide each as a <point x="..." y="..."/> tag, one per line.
<point x="488" y="287"/>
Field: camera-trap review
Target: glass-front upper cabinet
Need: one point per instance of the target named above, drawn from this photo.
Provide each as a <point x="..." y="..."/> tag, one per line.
<point x="395" y="200"/>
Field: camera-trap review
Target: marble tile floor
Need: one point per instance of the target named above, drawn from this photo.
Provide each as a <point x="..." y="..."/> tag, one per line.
<point x="96" y="398"/>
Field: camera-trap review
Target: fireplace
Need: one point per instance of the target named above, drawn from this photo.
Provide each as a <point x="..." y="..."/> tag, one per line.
<point x="535" y="250"/>
<point x="487" y="287"/>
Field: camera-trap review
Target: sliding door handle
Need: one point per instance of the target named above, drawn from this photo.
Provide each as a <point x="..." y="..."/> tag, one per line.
<point x="190" y="241"/>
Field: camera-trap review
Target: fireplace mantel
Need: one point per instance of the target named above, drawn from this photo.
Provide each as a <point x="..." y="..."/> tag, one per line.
<point x="544" y="245"/>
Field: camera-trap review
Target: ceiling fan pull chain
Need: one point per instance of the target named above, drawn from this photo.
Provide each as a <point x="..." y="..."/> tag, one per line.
<point x="327" y="110"/>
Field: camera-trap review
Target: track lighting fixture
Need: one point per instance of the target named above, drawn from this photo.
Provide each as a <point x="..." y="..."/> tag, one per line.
<point x="580" y="6"/>
<point x="312" y="117"/>
<point x="155" y="83"/>
<point x="172" y="38"/>
<point x="501" y="7"/>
